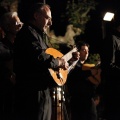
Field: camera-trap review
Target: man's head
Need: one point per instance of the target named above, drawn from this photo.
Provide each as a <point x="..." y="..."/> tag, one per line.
<point x="11" y="23"/>
<point x="84" y="50"/>
<point x="40" y="16"/>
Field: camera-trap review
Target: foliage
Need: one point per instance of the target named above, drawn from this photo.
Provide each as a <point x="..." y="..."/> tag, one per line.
<point x="77" y="13"/>
<point x="94" y="59"/>
<point x="9" y="5"/>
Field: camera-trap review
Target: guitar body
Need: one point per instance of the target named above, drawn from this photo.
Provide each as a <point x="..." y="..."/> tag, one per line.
<point x="87" y="66"/>
<point x="94" y="79"/>
<point x="59" y="75"/>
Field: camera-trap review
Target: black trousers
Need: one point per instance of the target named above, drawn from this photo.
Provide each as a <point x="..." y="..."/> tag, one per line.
<point x="32" y="105"/>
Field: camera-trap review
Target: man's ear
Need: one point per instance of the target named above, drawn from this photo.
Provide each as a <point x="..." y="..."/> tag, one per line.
<point x="36" y="15"/>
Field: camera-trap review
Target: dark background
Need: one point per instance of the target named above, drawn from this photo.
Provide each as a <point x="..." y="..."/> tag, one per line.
<point x="94" y="27"/>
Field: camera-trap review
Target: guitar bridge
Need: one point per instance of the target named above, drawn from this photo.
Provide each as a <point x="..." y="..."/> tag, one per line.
<point x="59" y="75"/>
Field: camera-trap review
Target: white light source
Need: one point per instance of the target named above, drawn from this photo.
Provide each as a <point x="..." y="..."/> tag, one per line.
<point x="108" y="16"/>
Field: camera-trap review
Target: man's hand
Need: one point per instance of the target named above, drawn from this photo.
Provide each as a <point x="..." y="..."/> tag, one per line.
<point x="63" y="64"/>
<point x="75" y="56"/>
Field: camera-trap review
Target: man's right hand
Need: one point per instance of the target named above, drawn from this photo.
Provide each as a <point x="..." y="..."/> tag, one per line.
<point x="63" y="64"/>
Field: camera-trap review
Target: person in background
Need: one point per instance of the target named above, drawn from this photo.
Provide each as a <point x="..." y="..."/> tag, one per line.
<point x="82" y="85"/>
<point x="111" y="71"/>
<point x="31" y="64"/>
<point x="10" y="25"/>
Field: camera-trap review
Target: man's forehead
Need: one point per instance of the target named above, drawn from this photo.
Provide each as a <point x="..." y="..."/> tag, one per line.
<point x="46" y="11"/>
<point x="84" y="47"/>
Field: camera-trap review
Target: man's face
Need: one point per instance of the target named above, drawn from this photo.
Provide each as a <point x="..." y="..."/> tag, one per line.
<point x="84" y="52"/>
<point x="44" y="19"/>
<point x="15" y="25"/>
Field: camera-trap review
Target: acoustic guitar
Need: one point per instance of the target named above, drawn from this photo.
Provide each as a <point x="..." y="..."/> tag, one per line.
<point x="94" y="79"/>
<point x="59" y="75"/>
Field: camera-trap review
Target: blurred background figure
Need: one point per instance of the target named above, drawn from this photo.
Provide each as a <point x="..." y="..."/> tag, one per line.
<point x="10" y="25"/>
<point x="111" y="70"/>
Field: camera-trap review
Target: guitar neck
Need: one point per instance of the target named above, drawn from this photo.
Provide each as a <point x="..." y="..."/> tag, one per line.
<point x="68" y="56"/>
<point x="72" y="66"/>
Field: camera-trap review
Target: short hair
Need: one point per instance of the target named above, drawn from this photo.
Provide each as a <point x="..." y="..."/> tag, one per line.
<point x="36" y="7"/>
<point x="5" y="19"/>
<point x="82" y="43"/>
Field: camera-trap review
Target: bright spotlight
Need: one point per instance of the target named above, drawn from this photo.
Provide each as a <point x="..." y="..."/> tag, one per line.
<point x="108" y="16"/>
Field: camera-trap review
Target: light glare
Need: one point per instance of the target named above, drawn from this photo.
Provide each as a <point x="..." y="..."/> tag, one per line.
<point x="108" y="16"/>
